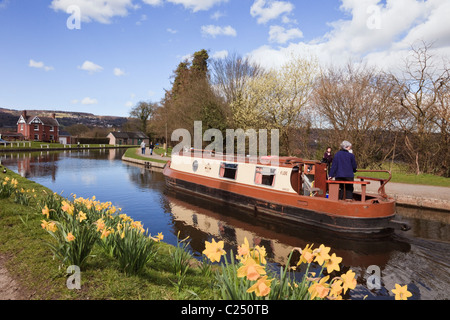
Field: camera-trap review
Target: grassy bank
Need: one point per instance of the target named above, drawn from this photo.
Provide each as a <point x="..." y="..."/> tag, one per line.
<point x="134" y="154"/>
<point x="25" y="245"/>
<point x="400" y="174"/>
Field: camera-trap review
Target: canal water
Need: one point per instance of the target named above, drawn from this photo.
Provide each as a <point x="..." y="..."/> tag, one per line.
<point x="418" y="258"/>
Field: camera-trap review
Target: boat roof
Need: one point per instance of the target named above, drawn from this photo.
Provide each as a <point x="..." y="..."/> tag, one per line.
<point x="282" y="161"/>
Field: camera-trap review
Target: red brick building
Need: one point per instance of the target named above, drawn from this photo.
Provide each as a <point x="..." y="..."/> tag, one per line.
<point x="37" y="128"/>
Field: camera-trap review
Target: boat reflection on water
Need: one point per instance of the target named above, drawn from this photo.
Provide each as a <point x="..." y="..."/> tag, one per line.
<point x="202" y="219"/>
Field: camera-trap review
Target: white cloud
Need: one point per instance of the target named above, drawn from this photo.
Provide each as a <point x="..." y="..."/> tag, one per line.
<point x="39" y="65"/>
<point x="279" y="34"/>
<point x="99" y="10"/>
<point x="213" y="31"/>
<point x="129" y="104"/>
<point x="118" y="72"/>
<point x="197" y="5"/>
<point x="217" y="15"/>
<point x="90" y="67"/>
<point x="220" y="54"/>
<point x="268" y="10"/>
<point x="153" y="2"/>
<point x="172" y="31"/>
<point x="372" y="32"/>
<point x="88" y="101"/>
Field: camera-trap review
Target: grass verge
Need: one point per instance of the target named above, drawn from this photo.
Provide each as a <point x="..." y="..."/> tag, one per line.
<point x="31" y="263"/>
<point x="401" y="175"/>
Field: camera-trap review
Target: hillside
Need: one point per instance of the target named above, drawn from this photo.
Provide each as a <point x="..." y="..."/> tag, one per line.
<point x="9" y="117"/>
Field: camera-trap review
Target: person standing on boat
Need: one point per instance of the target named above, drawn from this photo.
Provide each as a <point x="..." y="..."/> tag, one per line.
<point x="327" y="158"/>
<point x="343" y="168"/>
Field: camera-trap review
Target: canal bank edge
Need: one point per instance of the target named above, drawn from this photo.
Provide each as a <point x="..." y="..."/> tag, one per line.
<point x="410" y="195"/>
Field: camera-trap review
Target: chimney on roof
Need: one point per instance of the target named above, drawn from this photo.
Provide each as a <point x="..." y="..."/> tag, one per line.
<point x="54" y="115"/>
<point x="24" y="113"/>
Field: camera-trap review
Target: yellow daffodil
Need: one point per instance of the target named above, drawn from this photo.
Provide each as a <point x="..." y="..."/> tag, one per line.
<point x="70" y="237"/>
<point x="81" y="216"/>
<point x="244" y="249"/>
<point x="319" y="289"/>
<point x="260" y="254"/>
<point x="349" y="280"/>
<point x="44" y="224"/>
<point x="251" y="269"/>
<point x="261" y="287"/>
<point x="322" y="254"/>
<point x="214" y="250"/>
<point x="336" y="288"/>
<point x="401" y="293"/>
<point x="307" y="255"/>
<point x="52" y="227"/>
<point x="106" y="232"/>
<point x="159" y="237"/>
<point x="67" y="207"/>
<point x="100" y="224"/>
<point x="333" y="263"/>
<point x="46" y="212"/>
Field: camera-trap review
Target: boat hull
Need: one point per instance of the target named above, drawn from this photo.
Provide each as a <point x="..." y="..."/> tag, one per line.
<point x="374" y="218"/>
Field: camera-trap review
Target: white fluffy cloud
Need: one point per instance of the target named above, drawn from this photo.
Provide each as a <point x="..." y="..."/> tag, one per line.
<point x="214" y="31"/>
<point x="90" y="67"/>
<point x="197" y="5"/>
<point x="266" y="10"/>
<point x="281" y="35"/>
<point x="379" y="34"/>
<point x="118" y="72"/>
<point x="39" y="65"/>
<point x="89" y="101"/>
<point x="220" y="54"/>
<point x="98" y="10"/>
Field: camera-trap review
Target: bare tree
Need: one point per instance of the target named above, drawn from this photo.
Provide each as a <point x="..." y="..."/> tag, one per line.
<point x="230" y="75"/>
<point x="143" y="111"/>
<point x="421" y="89"/>
<point x="355" y="101"/>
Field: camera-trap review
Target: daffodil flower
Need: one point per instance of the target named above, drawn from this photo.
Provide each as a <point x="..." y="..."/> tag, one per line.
<point x="46" y="212"/>
<point x="214" y="250"/>
<point x="261" y="287"/>
<point x="319" y="289"/>
<point x="333" y="263"/>
<point x="401" y="293"/>
<point x="322" y="254"/>
<point x="251" y="269"/>
<point x="349" y="280"/>
<point x="70" y="237"/>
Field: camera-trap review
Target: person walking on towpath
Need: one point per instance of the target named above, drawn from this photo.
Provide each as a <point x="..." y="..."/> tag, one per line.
<point x="343" y="168"/>
<point x="151" y="146"/>
<point x="143" y="147"/>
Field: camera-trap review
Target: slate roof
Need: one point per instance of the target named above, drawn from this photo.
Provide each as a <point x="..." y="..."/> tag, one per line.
<point x="129" y="135"/>
<point x="48" y="121"/>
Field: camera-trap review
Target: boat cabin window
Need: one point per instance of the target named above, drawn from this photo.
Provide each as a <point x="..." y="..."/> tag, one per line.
<point x="265" y="176"/>
<point x="228" y="170"/>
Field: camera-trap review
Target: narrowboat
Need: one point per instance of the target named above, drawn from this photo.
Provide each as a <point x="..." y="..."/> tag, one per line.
<point x="287" y="189"/>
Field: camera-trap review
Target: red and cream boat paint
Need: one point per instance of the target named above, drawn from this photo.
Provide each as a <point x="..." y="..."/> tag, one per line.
<point x="288" y="189"/>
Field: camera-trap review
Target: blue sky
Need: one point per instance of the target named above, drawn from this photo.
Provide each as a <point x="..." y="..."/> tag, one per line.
<point x="126" y="50"/>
